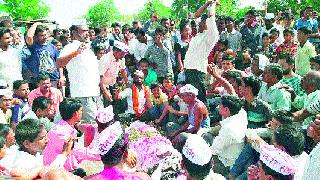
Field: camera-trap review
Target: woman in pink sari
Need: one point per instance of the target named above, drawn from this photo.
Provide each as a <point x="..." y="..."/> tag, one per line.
<point x="112" y="146"/>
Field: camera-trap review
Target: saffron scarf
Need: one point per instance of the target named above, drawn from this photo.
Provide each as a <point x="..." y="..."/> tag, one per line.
<point x="135" y="99"/>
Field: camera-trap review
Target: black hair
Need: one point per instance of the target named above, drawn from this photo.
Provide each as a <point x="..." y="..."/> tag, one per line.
<point x="235" y="75"/>
<point x="55" y="42"/>
<point x="265" y="34"/>
<point x="155" y="85"/>
<point x="160" y="30"/>
<point x="40" y="29"/>
<point x="41" y="103"/>
<point x="6" y="23"/>
<point x="233" y="103"/>
<point x="28" y="129"/>
<point x="125" y="27"/>
<point x="183" y="83"/>
<point x="144" y="60"/>
<point x="115" y="24"/>
<point x="139" y="31"/>
<point x="98" y="47"/>
<point x="283" y="116"/>
<point x="168" y="77"/>
<point x="223" y="41"/>
<point x="288" y="30"/>
<point x="315" y="59"/>
<point x="3" y="31"/>
<point x="63" y="37"/>
<point x="182" y="26"/>
<point x="228" y="18"/>
<point x="197" y="171"/>
<point x="288" y="58"/>
<point x="275" y="174"/>
<point x="43" y="77"/>
<point x="305" y="30"/>
<point x="56" y="30"/>
<point x="254" y="83"/>
<point x="17" y="84"/>
<point x="274" y="30"/>
<point x="68" y="107"/>
<point x="251" y="12"/>
<point x="114" y="155"/>
<point x="4" y="130"/>
<point x="2" y="142"/>
<point x="291" y="138"/>
<point x="163" y="20"/>
<point x="275" y="69"/>
<point x="204" y="17"/>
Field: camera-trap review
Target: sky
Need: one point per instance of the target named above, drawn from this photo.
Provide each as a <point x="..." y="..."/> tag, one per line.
<point x="65" y="11"/>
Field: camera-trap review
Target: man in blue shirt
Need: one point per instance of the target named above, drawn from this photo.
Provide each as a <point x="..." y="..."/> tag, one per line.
<point x="43" y="55"/>
<point x="23" y="110"/>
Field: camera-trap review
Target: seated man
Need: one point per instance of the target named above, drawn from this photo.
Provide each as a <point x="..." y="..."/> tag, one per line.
<point x="31" y="138"/>
<point x="138" y="96"/>
<point x="248" y="155"/>
<point x="197" y="160"/>
<point x="284" y="168"/>
<point x="71" y="113"/>
<point x="198" y="116"/>
<point x="23" y="110"/>
<point x="5" y="105"/>
<point x="46" y="90"/>
<point x="258" y="111"/>
<point x="43" y="109"/>
<point x="311" y="85"/>
<point x="270" y="92"/>
<point x="159" y="101"/>
<point x="227" y="146"/>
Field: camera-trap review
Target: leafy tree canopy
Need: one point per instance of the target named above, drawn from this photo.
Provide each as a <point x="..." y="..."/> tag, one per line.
<point x="25" y="9"/>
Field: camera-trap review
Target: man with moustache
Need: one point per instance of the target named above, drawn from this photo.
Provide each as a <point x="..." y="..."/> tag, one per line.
<point x="83" y="70"/>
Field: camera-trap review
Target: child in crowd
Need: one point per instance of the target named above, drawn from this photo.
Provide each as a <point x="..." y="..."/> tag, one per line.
<point x="168" y="87"/>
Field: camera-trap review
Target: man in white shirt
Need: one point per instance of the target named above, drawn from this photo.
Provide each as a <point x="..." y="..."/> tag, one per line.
<point x="228" y="144"/>
<point x="83" y="71"/>
<point x="10" y="60"/>
<point x="31" y="138"/>
<point x="196" y="59"/>
<point x="138" y="96"/>
<point x="140" y="44"/>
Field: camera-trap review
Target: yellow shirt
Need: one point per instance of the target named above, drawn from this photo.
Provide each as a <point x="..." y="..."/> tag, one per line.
<point x="158" y="101"/>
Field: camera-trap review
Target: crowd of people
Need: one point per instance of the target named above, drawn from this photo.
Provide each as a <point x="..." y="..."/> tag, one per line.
<point x="239" y="99"/>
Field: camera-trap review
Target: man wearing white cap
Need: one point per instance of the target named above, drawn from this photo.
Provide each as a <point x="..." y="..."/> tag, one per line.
<point x="83" y="71"/>
<point x="138" y="96"/>
<point x="274" y="164"/>
<point x="197" y="160"/>
<point x="110" y="65"/>
<point x="198" y="116"/>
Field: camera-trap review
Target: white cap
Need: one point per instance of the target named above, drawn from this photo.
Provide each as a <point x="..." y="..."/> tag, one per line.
<point x="108" y="138"/>
<point x="269" y="16"/>
<point x="122" y="46"/>
<point x="105" y="115"/>
<point x="188" y="88"/>
<point x="6" y="93"/>
<point x="139" y="73"/>
<point x="263" y="61"/>
<point x="278" y="160"/>
<point x="197" y="150"/>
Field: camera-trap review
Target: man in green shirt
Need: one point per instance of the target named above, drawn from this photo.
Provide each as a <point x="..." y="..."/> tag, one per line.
<point x="305" y="51"/>
<point x="270" y="92"/>
<point x="290" y="78"/>
<point x="149" y="74"/>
